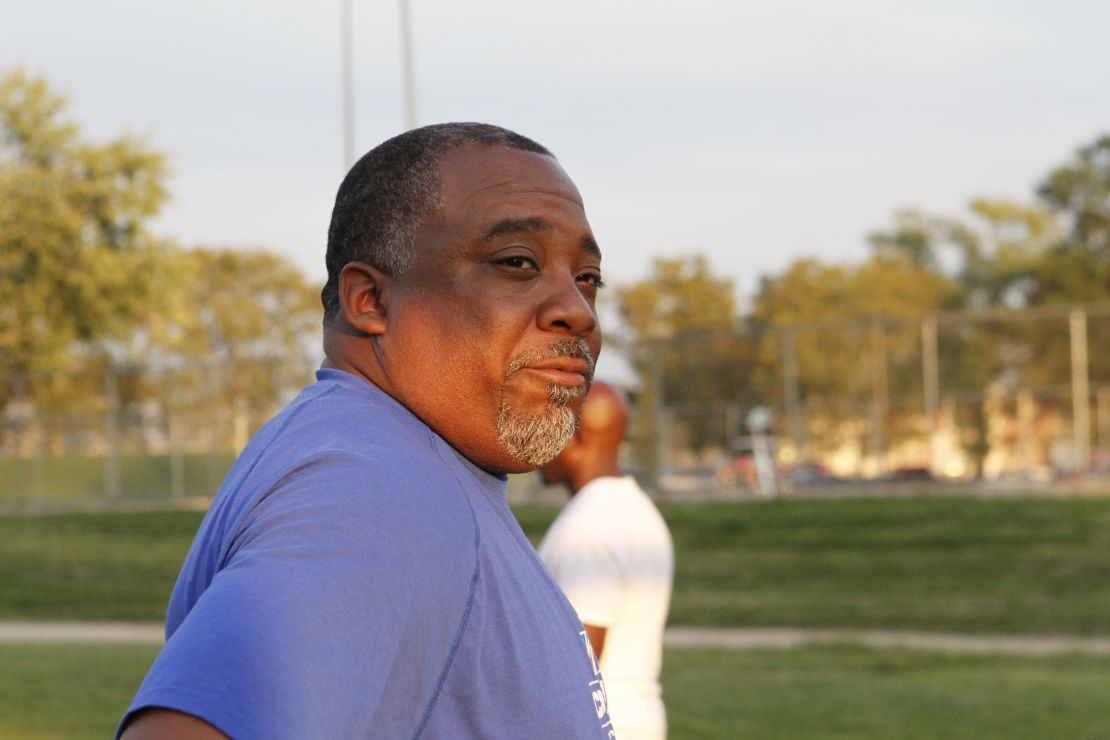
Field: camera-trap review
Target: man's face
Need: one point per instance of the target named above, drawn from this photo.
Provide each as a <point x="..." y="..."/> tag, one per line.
<point x="492" y="334"/>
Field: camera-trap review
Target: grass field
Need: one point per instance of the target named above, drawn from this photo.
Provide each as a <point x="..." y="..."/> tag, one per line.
<point x="80" y="691"/>
<point x="1018" y="565"/>
<point x="942" y="564"/>
<point x="848" y="692"/>
<point x="68" y="691"/>
<point x="92" y="566"/>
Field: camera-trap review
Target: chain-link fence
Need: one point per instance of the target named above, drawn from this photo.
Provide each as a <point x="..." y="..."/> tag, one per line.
<point x="1020" y="395"/>
<point x="1004" y="394"/>
<point x="132" y="432"/>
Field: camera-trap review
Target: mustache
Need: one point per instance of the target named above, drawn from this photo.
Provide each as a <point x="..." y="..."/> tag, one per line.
<point x="566" y="348"/>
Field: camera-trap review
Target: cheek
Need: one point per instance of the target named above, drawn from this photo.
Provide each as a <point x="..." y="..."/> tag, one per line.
<point x="595" y="342"/>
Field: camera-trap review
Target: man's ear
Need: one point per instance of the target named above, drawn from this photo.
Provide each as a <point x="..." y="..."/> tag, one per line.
<point x="363" y="292"/>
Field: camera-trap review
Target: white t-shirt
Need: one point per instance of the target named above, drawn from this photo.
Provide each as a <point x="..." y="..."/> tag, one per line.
<point x="611" y="552"/>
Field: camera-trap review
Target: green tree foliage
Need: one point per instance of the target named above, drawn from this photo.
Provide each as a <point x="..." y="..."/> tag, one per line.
<point x="680" y="296"/>
<point x="990" y="258"/>
<point x="991" y="261"/>
<point x="255" y="317"/>
<point x="679" y="326"/>
<point x="919" y="239"/>
<point x="1080" y="191"/>
<point x="237" y="334"/>
<point x="1076" y="269"/>
<point x="85" y="286"/>
<point x="844" y="340"/>
<point x="76" y="259"/>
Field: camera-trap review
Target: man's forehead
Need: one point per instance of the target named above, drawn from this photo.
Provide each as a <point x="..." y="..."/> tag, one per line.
<point x="471" y="170"/>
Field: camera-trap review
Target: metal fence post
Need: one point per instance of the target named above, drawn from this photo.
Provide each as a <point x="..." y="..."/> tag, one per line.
<point x="177" y="463"/>
<point x="879" y="395"/>
<point x="19" y="396"/>
<point x="659" y="408"/>
<point x="930" y="385"/>
<point x="214" y="420"/>
<point x="111" y="457"/>
<point x="1102" y="418"/>
<point x="791" y="394"/>
<point x="1027" y="417"/>
<point x="1080" y="392"/>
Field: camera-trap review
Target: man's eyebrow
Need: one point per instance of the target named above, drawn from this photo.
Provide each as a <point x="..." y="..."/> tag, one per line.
<point x="590" y="245"/>
<point x="533" y="224"/>
<point x="511" y="225"/>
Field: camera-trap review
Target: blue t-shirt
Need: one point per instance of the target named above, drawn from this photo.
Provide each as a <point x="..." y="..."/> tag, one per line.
<point x="357" y="577"/>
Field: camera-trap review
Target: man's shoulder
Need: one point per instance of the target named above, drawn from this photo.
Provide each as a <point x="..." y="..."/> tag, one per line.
<point x="613" y="510"/>
<point x="342" y="457"/>
<point x="352" y="413"/>
<point x="333" y="430"/>
<point x="612" y="494"/>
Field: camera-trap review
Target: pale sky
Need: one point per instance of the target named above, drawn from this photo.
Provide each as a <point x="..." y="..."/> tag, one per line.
<point x="755" y="132"/>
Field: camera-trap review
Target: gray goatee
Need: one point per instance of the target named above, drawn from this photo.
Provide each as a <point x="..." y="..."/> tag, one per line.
<point x="537" y="438"/>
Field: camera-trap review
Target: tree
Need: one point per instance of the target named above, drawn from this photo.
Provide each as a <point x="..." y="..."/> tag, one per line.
<point x="679" y="333"/>
<point x="256" y="318"/>
<point x="847" y="343"/>
<point x="85" y="286"/>
<point x="76" y="258"/>
<point x="237" y="334"/>
<point x="990" y="259"/>
<point x="1080" y="192"/>
<point x="1076" y="267"/>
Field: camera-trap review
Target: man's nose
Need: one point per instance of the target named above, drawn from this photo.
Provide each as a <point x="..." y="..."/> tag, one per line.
<point x="567" y="309"/>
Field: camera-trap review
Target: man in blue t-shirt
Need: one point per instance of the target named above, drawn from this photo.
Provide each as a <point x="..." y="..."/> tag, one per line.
<point x="359" y="573"/>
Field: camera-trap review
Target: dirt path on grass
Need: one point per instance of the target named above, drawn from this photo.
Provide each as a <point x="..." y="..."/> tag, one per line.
<point x="676" y="637"/>
<point x="125" y="632"/>
<point x="784" y="638"/>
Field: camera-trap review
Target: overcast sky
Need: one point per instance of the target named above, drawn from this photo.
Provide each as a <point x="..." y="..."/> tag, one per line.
<point x="755" y="132"/>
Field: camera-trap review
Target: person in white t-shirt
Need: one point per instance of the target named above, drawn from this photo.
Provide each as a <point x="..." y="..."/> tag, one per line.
<point x="610" y="551"/>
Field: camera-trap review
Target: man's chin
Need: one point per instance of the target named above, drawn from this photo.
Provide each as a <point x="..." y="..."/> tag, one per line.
<point x="535" y="440"/>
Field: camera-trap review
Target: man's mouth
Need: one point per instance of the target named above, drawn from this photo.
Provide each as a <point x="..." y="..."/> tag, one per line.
<point x="568" y="363"/>
<point x="562" y="370"/>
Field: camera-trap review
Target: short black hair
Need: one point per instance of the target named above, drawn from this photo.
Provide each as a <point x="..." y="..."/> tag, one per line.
<point x="390" y="190"/>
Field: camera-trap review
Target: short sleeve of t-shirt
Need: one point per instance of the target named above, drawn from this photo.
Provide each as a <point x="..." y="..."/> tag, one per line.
<point x="584" y="563"/>
<point x="282" y="644"/>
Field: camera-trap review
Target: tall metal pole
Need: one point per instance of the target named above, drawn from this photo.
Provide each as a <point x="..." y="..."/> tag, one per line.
<point x="406" y="66"/>
<point x="1080" y="392"/>
<point x="930" y="381"/>
<point x="345" y="43"/>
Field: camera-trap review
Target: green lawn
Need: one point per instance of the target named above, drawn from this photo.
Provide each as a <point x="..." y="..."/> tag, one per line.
<point x="92" y="566"/>
<point x="80" y="691"/>
<point x="1018" y="565"/>
<point x="847" y="692"/>
<point x="942" y="564"/>
<point x="68" y="691"/>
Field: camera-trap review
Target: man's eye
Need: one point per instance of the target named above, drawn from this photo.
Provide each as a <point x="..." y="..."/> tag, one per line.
<point x="519" y="262"/>
<point x="593" y="279"/>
